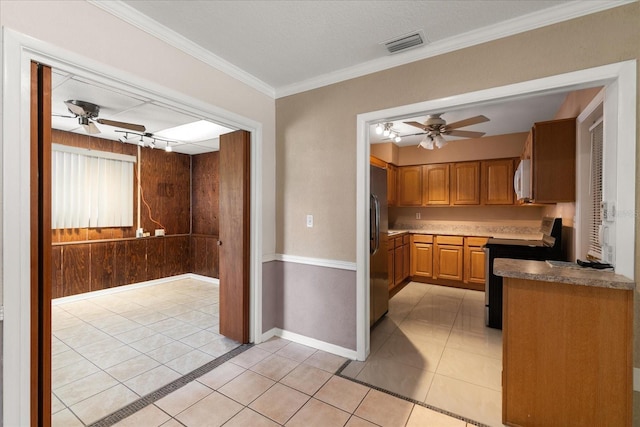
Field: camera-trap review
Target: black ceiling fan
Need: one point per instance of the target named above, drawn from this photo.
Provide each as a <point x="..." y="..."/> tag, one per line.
<point x="87" y="115"/>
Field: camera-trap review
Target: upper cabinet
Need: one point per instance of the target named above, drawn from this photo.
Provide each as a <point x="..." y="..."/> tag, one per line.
<point x="465" y="183"/>
<point x="435" y="184"/>
<point x="551" y="146"/>
<point x="392" y="180"/>
<point x="497" y="182"/>
<point x="409" y="189"/>
<point x="487" y="182"/>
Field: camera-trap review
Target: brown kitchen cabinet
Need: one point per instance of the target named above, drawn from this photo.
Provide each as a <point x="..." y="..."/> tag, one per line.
<point x="406" y="256"/>
<point x="497" y="182"/>
<point x="448" y="258"/>
<point x="399" y="258"/>
<point x="392" y="184"/>
<point x="421" y="256"/>
<point x="398" y="262"/>
<point x="465" y="183"/>
<point x="409" y="187"/>
<point x="390" y="263"/>
<point x="474" y="261"/>
<point x="567" y="354"/>
<point x="552" y="147"/>
<point x="435" y="184"/>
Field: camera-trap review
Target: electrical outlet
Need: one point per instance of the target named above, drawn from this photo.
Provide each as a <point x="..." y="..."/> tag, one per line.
<point x="417" y="215"/>
<point x="309" y="221"/>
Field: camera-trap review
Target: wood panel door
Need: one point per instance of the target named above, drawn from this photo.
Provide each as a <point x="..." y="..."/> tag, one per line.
<point x="435" y="184"/>
<point x="448" y="262"/>
<point x="392" y="179"/>
<point x="235" y="189"/>
<point x="422" y="259"/>
<point x="409" y="186"/>
<point x="474" y="265"/>
<point x="465" y="183"/>
<point x="40" y="251"/>
<point x="497" y="182"/>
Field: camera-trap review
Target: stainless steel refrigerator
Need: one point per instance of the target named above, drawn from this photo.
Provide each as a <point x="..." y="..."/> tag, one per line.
<point x="378" y="249"/>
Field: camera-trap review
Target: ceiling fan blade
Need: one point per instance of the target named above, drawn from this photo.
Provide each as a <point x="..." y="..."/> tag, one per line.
<point x="75" y="109"/>
<point x="465" y="133"/>
<point x="130" y="126"/>
<point x="416" y="124"/>
<point x="467" y="122"/>
<point x="91" y="128"/>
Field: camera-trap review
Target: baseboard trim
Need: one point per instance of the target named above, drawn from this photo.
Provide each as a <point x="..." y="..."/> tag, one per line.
<point x="310" y="342"/>
<point x="139" y="285"/>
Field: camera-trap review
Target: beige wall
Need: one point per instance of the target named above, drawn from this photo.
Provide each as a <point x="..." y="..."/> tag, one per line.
<point x="489" y="147"/>
<point x="316" y="130"/>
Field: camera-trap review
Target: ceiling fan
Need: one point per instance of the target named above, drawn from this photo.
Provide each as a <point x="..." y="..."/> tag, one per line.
<point x="435" y="127"/>
<point x="87" y="113"/>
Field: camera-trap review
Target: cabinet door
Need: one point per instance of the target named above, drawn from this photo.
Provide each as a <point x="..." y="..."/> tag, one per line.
<point x="465" y="183"/>
<point x="409" y="188"/>
<point x="390" y="264"/>
<point x="553" y="161"/>
<point x="406" y="260"/>
<point x="422" y="259"/>
<point x="435" y="183"/>
<point x="474" y="264"/>
<point x="448" y="262"/>
<point x="392" y="179"/>
<point x="497" y="182"/>
<point x="398" y="265"/>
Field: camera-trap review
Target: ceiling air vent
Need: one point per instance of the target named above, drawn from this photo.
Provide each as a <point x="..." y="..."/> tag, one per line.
<point x="405" y="42"/>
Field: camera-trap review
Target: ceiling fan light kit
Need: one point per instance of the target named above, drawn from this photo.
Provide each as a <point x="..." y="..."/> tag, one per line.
<point x="435" y="127"/>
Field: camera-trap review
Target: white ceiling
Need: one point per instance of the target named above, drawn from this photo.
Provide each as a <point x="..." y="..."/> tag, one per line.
<point x="284" y="47"/>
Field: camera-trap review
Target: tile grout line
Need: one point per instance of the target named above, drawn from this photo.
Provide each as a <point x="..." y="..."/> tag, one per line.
<point x="163" y="391"/>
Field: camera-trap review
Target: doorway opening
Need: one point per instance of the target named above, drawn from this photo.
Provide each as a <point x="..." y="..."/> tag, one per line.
<point x="620" y="87"/>
<point x="17" y="297"/>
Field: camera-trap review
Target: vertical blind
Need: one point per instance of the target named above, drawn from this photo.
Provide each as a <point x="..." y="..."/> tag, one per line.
<point x="90" y="189"/>
<point x="595" y="191"/>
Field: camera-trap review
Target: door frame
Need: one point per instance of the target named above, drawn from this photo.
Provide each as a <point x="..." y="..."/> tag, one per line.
<point x="18" y="51"/>
<point x="620" y="81"/>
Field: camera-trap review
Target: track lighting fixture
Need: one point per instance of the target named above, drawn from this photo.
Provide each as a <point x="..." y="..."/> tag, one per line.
<point x="146" y="140"/>
<point x="386" y="130"/>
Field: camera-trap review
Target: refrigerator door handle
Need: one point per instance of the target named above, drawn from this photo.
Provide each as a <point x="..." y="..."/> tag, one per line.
<point x="375" y="224"/>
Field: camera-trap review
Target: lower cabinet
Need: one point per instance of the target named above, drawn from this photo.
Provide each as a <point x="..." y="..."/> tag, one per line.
<point x="448" y="256"/>
<point x="474" y="260"/>
<point x="398" y="259"/>
<point x="421" y="256"/>
<point x="449" y="260"/>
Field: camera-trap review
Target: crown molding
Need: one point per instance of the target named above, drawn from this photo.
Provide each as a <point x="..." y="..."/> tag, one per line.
<point x="532" y="21"/>
<point x="132" y="16"/>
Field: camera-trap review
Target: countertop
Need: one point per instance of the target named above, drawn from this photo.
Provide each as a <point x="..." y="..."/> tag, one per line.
<point x="565" y="273"/>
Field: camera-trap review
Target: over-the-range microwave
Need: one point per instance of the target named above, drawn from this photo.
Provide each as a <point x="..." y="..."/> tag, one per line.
<point x="522" y="180"/>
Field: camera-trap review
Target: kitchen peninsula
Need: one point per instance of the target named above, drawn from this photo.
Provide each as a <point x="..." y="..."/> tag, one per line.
<point x="567" y="344"/>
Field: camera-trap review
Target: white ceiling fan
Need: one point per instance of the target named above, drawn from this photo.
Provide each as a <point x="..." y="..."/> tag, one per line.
<point x="435" y="127"/>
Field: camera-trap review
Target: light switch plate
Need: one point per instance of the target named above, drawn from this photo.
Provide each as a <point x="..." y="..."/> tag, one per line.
<point x="309" y="221"/>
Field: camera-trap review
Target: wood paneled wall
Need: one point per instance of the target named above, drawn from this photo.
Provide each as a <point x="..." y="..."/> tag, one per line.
<point x="93" y="266"/>
<point x="181" y="191"/>
<point x="205" y="210"/>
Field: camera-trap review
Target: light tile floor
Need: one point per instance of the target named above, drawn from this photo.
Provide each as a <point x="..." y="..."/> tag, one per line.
<point x="433" y="347"/>
<point x="111" y="350"/>
<point x="108" y="351"/>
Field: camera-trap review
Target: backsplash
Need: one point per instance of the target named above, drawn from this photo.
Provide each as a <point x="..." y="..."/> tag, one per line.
<point x="501" y="229"/>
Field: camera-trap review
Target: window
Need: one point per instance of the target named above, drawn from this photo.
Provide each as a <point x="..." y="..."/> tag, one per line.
<point x="90" y="189"/>
<point x="595" y="191"/>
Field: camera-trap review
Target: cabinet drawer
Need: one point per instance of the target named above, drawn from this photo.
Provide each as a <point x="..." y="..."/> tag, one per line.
<point x="449" y="240"/>
<point x="405" y="239"/>
<point x="476" y="241"/>
<point x="422" y="238"/>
